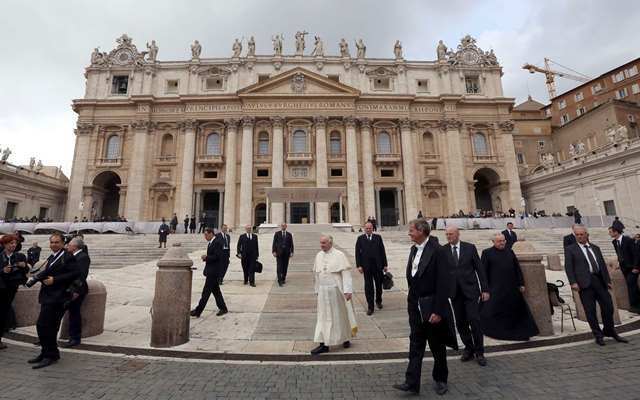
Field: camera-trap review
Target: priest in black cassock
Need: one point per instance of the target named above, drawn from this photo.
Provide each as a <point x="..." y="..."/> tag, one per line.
<point x="506" y="316"/>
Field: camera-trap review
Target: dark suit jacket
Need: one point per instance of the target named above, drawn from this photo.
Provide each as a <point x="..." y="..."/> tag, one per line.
<point x="215" y="260"/>
<point x="467" y="272"/>
<point x="568" y="240"/>
<point x="577" y="266"/>
<point x="510" y="237"/>
<point x="33" y="255"/>
<point x="370" y="253"/>
<point x="282" y="244"/>
<point x="83" y="261"/>
<point x="248" y="249"/>
<point x="627" y="256"/>
<point x="64" y="271"/>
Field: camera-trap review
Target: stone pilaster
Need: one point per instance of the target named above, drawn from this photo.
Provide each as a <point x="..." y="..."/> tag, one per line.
<point x="246" y="172"/>
<point x="135" y="182"/>
<point x="458" y="192"/>
<point x="185" y="204"/>
<point x="79" y="173"/>
<point x="230" y="174"/>
<point x="277" y="168"/>
<point x="322" y="180"/>
<point x="511" y="165"/>
<point x="353" y="185"/>
<point x="367" y="168"/>
<point x="411" y="204"/>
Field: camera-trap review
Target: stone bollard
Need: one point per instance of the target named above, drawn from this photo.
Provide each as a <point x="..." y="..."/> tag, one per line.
<point x="553" y="262"/>
<point x="619" y="283"/>
<point x="92" y="312"/>
<point x="172" y="299"/>
<point x="535" y="281"/>
<point x="27" y="306"/>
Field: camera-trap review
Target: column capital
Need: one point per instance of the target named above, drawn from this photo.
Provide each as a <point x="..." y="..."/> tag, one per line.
<point x="188" y="124"/>
<point x="248" y="121"/>
<point x="405" y="123"/>
<point x="506" y="126"/>
<point x="83" y="128"/>
<point x="142" y="125"/>
<point x="450" y="124"/>
<point x="350" y="122"/>
<point x="277" y="122"/>
<point x="320" y="121"/>
<point x="231" y="123"/>
<point x="365" y="122"/>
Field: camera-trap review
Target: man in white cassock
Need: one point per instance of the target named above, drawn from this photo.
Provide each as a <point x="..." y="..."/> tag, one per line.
<point x="332" y="273"/>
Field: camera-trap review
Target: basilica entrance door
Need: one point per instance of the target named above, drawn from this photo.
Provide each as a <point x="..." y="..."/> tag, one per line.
<point x="388" y="207"/>
<point x="211" y="208"/>
<point x="300" y="213"/>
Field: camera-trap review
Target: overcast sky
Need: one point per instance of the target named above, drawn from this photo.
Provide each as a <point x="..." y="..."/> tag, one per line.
<point x="47" y="44"/>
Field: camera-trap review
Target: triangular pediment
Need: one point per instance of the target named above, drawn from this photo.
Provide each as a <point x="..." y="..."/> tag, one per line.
<point x="298" y="82"/>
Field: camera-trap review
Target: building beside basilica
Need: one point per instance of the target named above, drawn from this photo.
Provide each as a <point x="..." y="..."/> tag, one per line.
<point x="389" y="137"/>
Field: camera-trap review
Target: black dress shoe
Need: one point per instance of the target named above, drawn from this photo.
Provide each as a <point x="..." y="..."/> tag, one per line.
<point x="246" y="283"/>
<point x="320" y="349"/>
<point x="440" y="388"/>
<point x="280" y="283"/>
<point x="405" y="387"/>
<point x="195" y="313"/>
<point x="370" y="311"/>
<point x="36" y="360"/>
<point x="70" y="344"/>
<point x="252" y="284"/>
<point x="619" y="338"/>
<point x="481" y="360"/>
<point x="379" y="305"/>
<point x="44" y="363"/>
<point x="221" y="313"/>
<point x="466" y="356"/>
<point x="346" y="344"/>
<point x="600" y="341"/>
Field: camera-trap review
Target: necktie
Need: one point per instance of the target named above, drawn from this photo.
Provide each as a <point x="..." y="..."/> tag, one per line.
<point x="369" y="237"/>
<point x="455" y="254"/>
<point x="592" y="260"/>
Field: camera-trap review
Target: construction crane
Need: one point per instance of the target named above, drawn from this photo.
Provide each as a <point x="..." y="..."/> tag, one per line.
<point x="551" y="74"/>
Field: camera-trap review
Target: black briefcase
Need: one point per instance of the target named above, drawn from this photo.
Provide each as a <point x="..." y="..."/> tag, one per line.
<point x="258" y="267"/>
<point x="387" y="281"/>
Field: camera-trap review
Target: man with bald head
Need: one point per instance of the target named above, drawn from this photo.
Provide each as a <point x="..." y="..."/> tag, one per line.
<point x="282" y="250"/>
<point x="247" y="251"/>
<point x="588" y="275"/>
<point x="371" y="260"/>
<point x="469" y="289"/>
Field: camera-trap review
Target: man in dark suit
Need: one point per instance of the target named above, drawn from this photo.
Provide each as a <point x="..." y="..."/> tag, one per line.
<point x="186" y="223"/>
<point x="79" y="290"/>
<point x="628" y="260"/>
<point x="226" y="251"/>
<point x="569" y="239"/>
<point x="371" y="260"/>
<point x="465" y="265"/>
<point x="510" y="235"/>
<point x="213" y="267"/>
<point x="247" y="251"/>
<point x="60" y="271"/>
<point x="428" y="278"/>
<point x="587" y="273"/>
<point x="282" y="249"/>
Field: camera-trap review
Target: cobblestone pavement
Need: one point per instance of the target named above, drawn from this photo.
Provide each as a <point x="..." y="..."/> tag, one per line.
<point x="582" y="371"/>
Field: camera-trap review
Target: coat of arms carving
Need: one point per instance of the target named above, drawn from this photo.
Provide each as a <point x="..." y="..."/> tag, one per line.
<point x="298" y="83"/>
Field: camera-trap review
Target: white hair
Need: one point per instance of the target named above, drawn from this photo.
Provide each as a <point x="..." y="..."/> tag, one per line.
<point x="328" y="237"/>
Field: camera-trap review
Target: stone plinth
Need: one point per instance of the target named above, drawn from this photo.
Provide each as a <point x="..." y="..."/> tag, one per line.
<point x="620" y="291"/>
<point x="553" y="262"/>
<point x="92" y="312"/>
<point x="172" y="299"/>
<point x="535" y="282"/>
<point x="27" y="306"/>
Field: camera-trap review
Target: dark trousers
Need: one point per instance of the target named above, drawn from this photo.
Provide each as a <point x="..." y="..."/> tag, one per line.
<point x="372" y="277"/>
<point x="282" y="263"/>
<point x="598" y="292"/>
<point x="6" y="298"/>
<point x="632" y="288"/>
<point x="421" y="333"/>
<point x="201" y="228"/>
<point x="211" y="286"/>
<point x="186" y="228"/>
<point x="249" y="270"/>
<point x="225" y="267"/>
<point x="468" y="322"/>
<point x="75" y="318"/>
<point x="47" y="326"/>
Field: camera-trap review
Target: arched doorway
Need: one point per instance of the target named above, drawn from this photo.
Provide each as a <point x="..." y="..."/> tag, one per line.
<point x="162" y="207"/>
<point x="335" y="213"/>
<point x="106" y="194"/>
<point x="260" y="214"/>
<point x="486" y="182"/>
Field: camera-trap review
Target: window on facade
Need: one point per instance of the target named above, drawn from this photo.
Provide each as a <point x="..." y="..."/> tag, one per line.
<point x="172" y="86"/>
<point x="621" y="93"/>
<point x="335" y="78"/>
<point x="635" y="88"/>
<point x="299" y="172"/>
<point x="428" y="146"/>
<point x="579" y="96"/>
<point x="166" y="147"/>
<point x="336" y="171"/>
<point x="629" y="72"/>
<point x="564" y="119"/>
<point x="120" y="84"/>
<point x="11" y="211"/>
<point x="43" y="213"/>
<point x="562" y="104"/>
<point x="540" y="144"/>
<point x="335" y="143"/>
<point x="262" y="173"/>
<point x="263" y="143"/>
<point x="113" y="147"/>
<point x="596" y="88"/>
<point x="472" y="84"/>
<point x="480" y="147"/>
<point x="213" y="144"/>
<point x="537" y="129"/>
<point x="384" y="143"/>
<point x="631" y="118"/>
<point x="386" y="173"/>
<point x="381" y="83"/>
<point x="262" y="78"/>
<point x="299" y="141"/>
<point x="422" y="85"/>
<point x="580" y="111"/>
<point x="619" y="77"/>
<point x="213" y="174"/>
<point x="214" y="83"/>
<point x="609" y="207"/>
<point x="520" y="158"/>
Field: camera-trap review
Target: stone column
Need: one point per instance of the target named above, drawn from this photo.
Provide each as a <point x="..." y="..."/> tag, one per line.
<point x="246" y="172"/>
<point x="188" y="163"/>
<point x="367" y="168"/>
<point x="79" y="173"/>
<point x="322" y="180"/>
<point x="277" y="168"/>
<point x="230" y="175"/>
<point x="408" y="169"/>
<point x="455" y="167"/>
<point x="511" y="165"/>
<point x="353" y="184"/>
<point x="135" y="182"/>
<point x="172" y="299"/>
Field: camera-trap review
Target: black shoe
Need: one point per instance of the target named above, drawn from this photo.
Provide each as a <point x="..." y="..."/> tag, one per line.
<point x="466" y="356"/>
<point x="370" y="311"/>
<point x="246" y="283"/>
<point x="70" y="344"/>
<point x="405" y="387"/>
<point x="195" y="313"/>
<point x="379" y="305"/>
<point x="346" y="344"/>
<point x="252" y="284"/>
<point x="36" y="360"/>
<point x="600" y="341"/>
<point x="2" y="346"/>
<point x="481" y="360"/>
<point x="320" y="349"/>
<point x="221" y="313"/>
<point x="280" y="283"/>
<point x="619" y="338"/>
<point x="44" y="363"/>
<point x="440" y="388"/>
